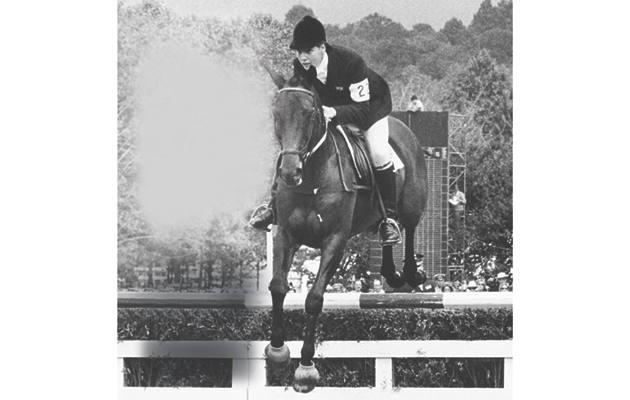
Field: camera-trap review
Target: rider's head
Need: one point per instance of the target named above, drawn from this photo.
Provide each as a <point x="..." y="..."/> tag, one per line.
<point x="309" y="38"/>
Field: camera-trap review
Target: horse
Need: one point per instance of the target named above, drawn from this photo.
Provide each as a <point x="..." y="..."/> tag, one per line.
<point x="316" y="208"/>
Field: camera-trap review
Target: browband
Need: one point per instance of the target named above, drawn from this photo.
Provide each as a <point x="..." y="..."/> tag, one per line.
<point x="296" y="89"/>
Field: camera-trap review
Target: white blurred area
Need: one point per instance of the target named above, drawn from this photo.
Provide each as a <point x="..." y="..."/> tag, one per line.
<point x="203" y="137"/>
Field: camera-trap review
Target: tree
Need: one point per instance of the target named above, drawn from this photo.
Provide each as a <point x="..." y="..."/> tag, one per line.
<point x="498" y="42"/>
<point x="487" y="87"/>
<point x="489" y="17"/>
<point x="376" y="27"/>
<point x="422" y="29"/>
<point x="482" y="95"/>
<point x="270" y="40"/>
<point x="296" y="13"/>
<point x="454" y="32"/>
<point x="389" y="55"/>
<point x="492" y="27"/>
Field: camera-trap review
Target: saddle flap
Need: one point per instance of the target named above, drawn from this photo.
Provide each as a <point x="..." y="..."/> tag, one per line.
<point x="359" y="152"/>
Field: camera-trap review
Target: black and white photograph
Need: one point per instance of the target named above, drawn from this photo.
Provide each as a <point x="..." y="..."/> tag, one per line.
<point x="327" y="187"/>
<point x="312" y="198"/>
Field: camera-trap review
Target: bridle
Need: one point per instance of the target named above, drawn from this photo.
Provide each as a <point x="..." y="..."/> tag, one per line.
<point x="304" y="153"/>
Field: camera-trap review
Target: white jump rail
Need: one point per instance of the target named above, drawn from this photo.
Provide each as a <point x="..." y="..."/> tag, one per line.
<point x="357" y="301"/>
<point x="248" y="366"/>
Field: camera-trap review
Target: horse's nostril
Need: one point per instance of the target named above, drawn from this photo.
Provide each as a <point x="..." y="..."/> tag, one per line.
<point x="298" y="172"/>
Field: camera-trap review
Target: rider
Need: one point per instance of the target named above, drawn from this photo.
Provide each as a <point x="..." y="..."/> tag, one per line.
<point x="351" y="94"/>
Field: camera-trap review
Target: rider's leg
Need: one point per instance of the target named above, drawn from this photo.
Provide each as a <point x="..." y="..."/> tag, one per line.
<point x="265" y="215"/>
<point x="377" y="137"/>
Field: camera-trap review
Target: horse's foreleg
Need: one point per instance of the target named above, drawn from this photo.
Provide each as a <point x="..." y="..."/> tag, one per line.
<point x="277" y="352"/>
<point x="388" y="269"/>
<point x="306" y="376"/>
<point x="414" y="277"/>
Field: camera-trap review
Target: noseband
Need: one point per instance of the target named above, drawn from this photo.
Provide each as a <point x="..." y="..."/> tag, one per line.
<point x="305" y="153"/>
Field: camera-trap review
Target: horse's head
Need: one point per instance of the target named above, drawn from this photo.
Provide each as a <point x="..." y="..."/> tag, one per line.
<point x="299" y="126"/>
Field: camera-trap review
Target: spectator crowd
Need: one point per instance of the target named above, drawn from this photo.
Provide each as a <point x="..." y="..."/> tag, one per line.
<point x="485" y="276"/>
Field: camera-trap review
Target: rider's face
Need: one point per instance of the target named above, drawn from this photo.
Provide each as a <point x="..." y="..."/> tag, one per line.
<point x="313" y="56"/>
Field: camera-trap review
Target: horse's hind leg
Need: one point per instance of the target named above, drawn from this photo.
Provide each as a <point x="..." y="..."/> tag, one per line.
<point x="414" y="277"/>
<point x="306" y="376"/>
<point x="277" y="352"/>
<point x="388" y="269"/>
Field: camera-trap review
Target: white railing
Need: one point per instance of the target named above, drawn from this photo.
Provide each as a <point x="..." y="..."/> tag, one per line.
<point x="248" y="363"/>
<point x="249" y="373"/>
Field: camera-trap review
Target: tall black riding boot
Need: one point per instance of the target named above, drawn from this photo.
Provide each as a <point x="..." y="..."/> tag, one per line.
<point x="388" y="231"/>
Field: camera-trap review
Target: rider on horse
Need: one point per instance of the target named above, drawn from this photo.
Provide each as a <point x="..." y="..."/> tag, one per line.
<point x="351" y="94"/>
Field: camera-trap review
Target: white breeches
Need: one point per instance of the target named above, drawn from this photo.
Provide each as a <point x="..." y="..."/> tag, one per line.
<point x="377" y="138"/>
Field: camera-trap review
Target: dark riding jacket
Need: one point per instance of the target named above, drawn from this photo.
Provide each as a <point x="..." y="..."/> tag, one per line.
<point x="349" y="79"/>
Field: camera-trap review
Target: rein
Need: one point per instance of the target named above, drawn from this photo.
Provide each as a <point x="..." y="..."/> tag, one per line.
<point x="304" y="153"/>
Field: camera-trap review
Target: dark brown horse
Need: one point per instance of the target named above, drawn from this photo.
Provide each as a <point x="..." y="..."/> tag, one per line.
<point x="314" y="209"/>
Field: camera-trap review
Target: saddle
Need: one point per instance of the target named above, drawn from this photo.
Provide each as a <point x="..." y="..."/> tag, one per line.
<point x="357" y="143"/>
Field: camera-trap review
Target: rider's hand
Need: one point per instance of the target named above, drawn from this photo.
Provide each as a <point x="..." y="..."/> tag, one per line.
<point x="329" y="113"/>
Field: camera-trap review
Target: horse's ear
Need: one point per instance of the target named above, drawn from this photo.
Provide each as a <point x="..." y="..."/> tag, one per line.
<point x="276" y="77"/>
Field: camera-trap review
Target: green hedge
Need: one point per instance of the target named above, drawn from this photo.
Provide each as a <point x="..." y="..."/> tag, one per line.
<point x="193" y="324"/>
<point x="409" y="324"/>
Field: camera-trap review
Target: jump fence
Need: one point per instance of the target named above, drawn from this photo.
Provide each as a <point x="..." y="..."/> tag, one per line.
<point x="248" y="363"/>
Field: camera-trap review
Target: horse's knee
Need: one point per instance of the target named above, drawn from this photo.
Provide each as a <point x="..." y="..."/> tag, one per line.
<point x="314" y="303"/>
<point x="279" y="286"/>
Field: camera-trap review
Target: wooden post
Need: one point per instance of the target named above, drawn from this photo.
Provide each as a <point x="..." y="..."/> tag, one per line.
<point x="384" y="373"/>
<point x="240" y="373"/>
<point x="508" y="373"/>
<point x="267" y="273"/>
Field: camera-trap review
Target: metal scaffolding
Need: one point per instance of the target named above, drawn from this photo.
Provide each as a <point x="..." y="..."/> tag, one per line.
<point x="456" y="175"/>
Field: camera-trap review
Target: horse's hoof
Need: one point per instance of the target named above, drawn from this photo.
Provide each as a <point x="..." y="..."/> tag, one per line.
<point x="396" y="280"/>
<point x="305" y="378"/>
<point x="278" y="357"/>
<point x="416" y="278"/>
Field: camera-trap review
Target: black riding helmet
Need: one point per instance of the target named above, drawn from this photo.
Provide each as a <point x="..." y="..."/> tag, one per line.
<point x="308" y="33"/>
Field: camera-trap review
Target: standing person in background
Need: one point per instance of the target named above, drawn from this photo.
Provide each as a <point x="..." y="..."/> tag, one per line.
<point x="415" y="105"/>
<point x="457" y="202"/>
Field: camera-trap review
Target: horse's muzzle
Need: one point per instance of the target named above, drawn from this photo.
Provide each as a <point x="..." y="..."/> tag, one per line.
<point x="291" y="173"/>
<point x="292" y="179"/>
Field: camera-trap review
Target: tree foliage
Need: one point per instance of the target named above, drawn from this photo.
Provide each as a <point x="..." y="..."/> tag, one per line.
<point x="454" y="32"/>
<point x="482" y="94"/>
<point x="296" y="13"/>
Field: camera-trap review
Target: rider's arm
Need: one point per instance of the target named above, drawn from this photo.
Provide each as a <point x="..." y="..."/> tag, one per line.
<point x="358" y="109"/>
